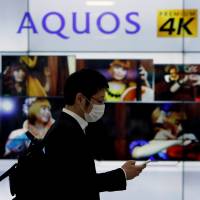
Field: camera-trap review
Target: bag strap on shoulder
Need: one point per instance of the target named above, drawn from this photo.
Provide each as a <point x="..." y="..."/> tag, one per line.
<point x="8" y="172"/>
<point x="37" y="146"/>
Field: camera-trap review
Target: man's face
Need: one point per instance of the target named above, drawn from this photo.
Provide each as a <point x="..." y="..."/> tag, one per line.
<point x="97" y="98"/>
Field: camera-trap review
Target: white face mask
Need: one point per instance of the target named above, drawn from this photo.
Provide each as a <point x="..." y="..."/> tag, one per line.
<point x="96" y="113"/>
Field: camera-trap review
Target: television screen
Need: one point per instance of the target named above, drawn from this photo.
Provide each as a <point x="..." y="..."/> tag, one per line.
<point x="175" y="82"/>
<point x="128" y="79"/>
<point x="159" y="131"/>
<point x="20" y="114"/>
<point x="136" y="127"/>
<point x="39" y="76"/>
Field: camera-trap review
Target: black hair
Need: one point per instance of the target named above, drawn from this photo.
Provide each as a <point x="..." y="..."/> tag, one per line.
<point x="86" y="81"/>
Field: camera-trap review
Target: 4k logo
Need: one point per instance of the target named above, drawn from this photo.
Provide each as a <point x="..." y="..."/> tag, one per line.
<point x="177" y="23"/>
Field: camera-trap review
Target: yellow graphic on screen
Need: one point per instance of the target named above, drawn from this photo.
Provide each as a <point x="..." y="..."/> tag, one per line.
<point x="177" y="23"/>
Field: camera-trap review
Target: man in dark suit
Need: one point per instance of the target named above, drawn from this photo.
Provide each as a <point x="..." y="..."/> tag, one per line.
<point x="71" y="170"/>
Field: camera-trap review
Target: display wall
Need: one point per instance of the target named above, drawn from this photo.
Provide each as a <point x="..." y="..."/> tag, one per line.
<point x="150" y="54"/>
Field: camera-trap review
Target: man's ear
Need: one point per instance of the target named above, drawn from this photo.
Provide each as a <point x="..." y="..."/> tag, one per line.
<point x="79" y="98"/>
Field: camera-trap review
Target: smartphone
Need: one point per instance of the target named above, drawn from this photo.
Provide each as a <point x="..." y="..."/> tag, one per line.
<point x="144" y="162"/>
<point x="147" y="161"/>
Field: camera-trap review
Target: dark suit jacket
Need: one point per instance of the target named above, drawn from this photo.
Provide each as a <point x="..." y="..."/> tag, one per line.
<point x="71" y="170"/>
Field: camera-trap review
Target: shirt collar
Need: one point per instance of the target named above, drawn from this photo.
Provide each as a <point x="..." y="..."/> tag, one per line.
<point x="83" y="123"/>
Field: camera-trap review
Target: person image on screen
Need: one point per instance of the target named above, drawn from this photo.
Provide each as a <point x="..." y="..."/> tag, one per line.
<point x="169" y="136"/>
<point x="39" y="120"/>
<point x="141" y="89"/>
<point x="71" y="167"/>
<point x="175" y="85"/>
<point x="35" y="87"/>
<point x="118" y="69"/>
<point x="120" y="88"/>
<point x="15" y="80"/>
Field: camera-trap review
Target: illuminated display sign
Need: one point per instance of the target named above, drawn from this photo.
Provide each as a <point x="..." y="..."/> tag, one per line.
<point x="125" y="26"/>
<point x="27" y="23"/>
<point x="177" y="23"/>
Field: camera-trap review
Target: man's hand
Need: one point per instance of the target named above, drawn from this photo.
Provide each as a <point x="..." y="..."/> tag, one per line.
<point x="131" y="169"/>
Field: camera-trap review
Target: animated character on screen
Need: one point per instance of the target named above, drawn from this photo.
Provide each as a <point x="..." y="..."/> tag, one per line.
<point x="119" y="70"/>
<point x="38" y="121"/>
<point x="169" y="136"/>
